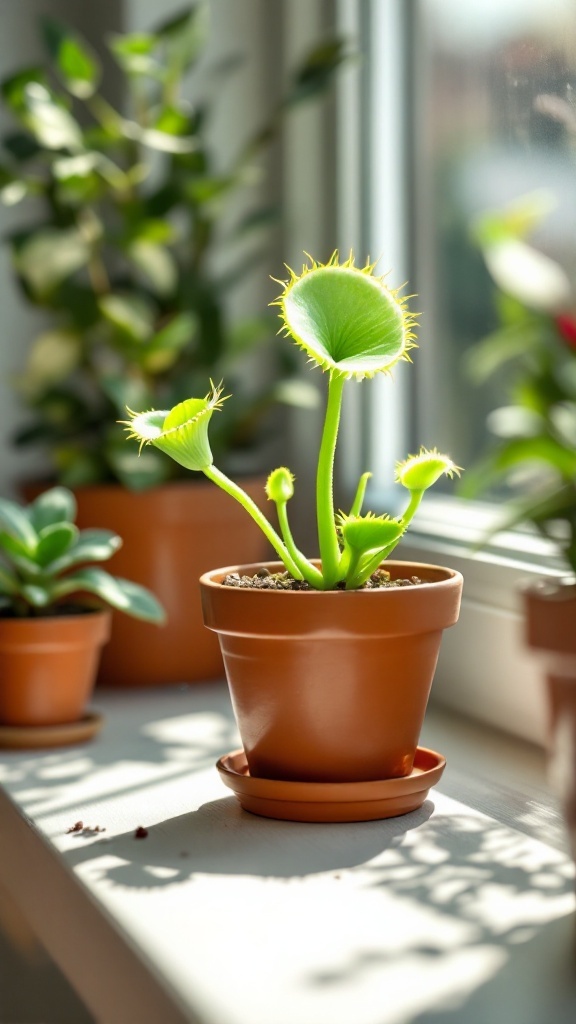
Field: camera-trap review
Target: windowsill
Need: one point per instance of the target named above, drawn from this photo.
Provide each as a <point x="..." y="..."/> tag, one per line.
<point x="485" y="671"/>
<point x="460" y="911"/>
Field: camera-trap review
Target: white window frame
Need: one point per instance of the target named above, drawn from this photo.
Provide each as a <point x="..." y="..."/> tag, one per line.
<point x="484" y="669"/>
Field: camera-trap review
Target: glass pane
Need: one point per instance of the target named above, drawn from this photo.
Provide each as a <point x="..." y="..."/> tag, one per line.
<point x="490" y="80"/>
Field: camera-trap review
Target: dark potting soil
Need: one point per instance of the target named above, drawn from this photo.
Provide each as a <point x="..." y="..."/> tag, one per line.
<point x="265" y="580"/>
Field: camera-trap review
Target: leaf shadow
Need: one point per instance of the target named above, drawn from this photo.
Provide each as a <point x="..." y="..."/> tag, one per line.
<point x="497" y="912"/>
<point x="181" y="739"/>
<point x="220" y="838"/>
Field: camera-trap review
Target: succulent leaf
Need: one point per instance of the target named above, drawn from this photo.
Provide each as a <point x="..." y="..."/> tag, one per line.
<point x="17" y="553"/>
<point x="89" y="546"/>
<point x="36" y="595"/>
<point x="15" y="521"/>
<point x="119" y="593"/>
<point x="58" y="505"/>
<point x="54" y="540"/>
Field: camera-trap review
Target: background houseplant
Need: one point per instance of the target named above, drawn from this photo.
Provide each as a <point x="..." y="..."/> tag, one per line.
<point x="54" y="617"/>
<point x="531" y="356"/>
<point x="126" y="257"/>
<point x="531" y="466"/>
<point x="123" y="251"/>
<point x="330" y="662"/>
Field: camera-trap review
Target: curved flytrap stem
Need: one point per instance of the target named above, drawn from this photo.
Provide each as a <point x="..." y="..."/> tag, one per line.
<point x="419" y="472"/>
<point x="351" y="325"/>
<point x="279" y="489"/>
<point x="259" y="518"/>
<point x="327" y="536"/>
<point x="359" y="496"/>
<point x="182" y="433"/>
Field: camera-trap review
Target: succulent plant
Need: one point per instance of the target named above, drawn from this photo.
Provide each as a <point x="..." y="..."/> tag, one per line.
<point x="46" y="562"/>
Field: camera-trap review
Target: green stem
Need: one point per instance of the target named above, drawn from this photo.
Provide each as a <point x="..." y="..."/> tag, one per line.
<point x="259" y="518"/>
<point x="311" y="574"/>
<point x="353" y="569"/>
<point x="105" y="114"/>
<point x="344" y="565"/>
<point x="359" y="571"/>
<point x="411" y="509"/>
<point x="363" y="570"/>
<point x="327" y="536"/>
<point x="96" y="269"/>
<point x="359" y="497"/>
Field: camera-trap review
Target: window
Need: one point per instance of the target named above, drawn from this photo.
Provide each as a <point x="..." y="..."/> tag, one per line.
<point x="489" y="81"/>
<point x="457" y="114"/>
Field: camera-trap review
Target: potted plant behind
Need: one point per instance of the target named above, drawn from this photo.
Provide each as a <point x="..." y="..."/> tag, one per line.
<point x="55" y="618"/>
<point x="329" y="661"/>
<point x="531" y="465"/>
<point x="134" y="256"/>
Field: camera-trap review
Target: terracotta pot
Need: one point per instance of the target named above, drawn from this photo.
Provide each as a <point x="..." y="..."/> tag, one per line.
<point x="550" y="623"/>
<point x="48" y="667"/>
<point x="172" y="534"/>
<point x="331" y="686"/>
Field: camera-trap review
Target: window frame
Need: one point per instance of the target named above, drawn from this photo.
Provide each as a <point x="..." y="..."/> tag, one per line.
<point x="484" y="670"/>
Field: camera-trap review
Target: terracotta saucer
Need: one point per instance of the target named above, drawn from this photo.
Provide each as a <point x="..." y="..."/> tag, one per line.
<point x="36" y="737"/>
<point x="331" y="801"/>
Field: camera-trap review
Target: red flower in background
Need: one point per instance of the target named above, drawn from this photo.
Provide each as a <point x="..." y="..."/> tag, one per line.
<point x="566" y="324"/>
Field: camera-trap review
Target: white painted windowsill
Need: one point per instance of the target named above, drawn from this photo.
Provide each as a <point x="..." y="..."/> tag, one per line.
<point x="485" y="670"/>
<point x="459" y="913"/>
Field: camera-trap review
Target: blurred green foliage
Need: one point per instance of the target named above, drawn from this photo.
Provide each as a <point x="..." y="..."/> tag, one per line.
<point x="129" y="209"/>
<point x="531" y="463"/>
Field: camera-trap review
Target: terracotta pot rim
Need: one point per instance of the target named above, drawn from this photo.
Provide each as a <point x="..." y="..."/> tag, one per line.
<point x="550" y="588"/>
<point x="388" y="611"/>
<point x="48" y="620"/>
<point x="214" y="577"/>
<point x="53" y="631"/>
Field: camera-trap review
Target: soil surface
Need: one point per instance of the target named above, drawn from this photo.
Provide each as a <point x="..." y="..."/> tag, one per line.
<point x="265" y="580"/>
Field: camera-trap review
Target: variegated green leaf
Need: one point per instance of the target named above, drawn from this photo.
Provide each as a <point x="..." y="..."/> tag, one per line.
<point x="15" y="521"/>
<point x="54" y="540"/>
<point x="117" y="592"/>
<point x="37" y="596"/>
<point x="57" y="505"/>
<point x="90" y="546"/>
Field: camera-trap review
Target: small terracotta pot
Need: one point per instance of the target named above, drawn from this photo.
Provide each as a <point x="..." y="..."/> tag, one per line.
<point x="48" y="667"/>
<point x="171" y="535"/>
<point x="331" y="686"/>
<point x="550" y="624"/>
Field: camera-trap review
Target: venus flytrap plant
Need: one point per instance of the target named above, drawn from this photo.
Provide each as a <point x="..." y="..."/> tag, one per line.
<point x="352" y="326"/>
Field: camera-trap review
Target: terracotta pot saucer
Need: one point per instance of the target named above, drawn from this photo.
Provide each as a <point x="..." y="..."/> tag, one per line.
<point x="36" y="737"/>
<point x="331" y="801"/>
